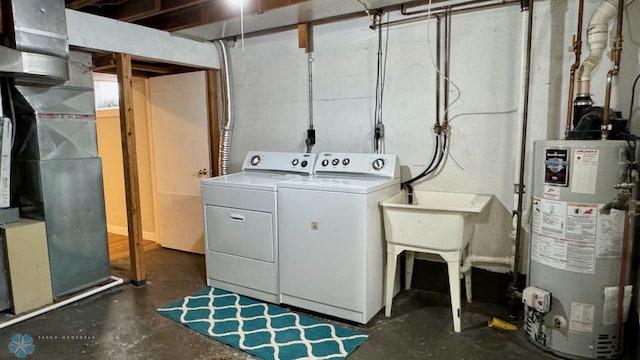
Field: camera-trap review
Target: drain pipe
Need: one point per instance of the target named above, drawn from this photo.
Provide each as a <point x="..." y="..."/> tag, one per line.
<point x="513" y="291"/>
<point x="224" y="146"/>
<point x="510" y="261"/>
<point x="116" y="281"/>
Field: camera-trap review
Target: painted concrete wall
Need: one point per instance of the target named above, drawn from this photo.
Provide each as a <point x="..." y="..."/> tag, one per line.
<point x="270" y="76"/>
<point x="110" y="150"/>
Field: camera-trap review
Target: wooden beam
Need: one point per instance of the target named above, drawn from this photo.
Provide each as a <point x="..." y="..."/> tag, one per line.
<point x="213" y="123"/>
<point x="104" y="63"/>
<point x="209" y="12"/>
<point x="130" y="162"/>
<point x="78" y="4"/>
<point x="156" y="69"/>
<point x="135" y="10"/>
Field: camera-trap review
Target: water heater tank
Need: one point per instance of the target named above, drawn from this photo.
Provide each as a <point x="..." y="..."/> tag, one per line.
<point x="575" y="249"/>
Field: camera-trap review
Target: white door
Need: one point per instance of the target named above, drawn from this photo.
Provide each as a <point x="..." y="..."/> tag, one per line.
<point x="178" y="107"/>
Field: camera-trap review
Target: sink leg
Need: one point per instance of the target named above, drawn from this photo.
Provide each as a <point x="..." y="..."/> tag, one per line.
<point x="392" y="261"/>
<point x="467" y="284"/>
<point x="409" y="257"/>
<point x="454" y="286"/>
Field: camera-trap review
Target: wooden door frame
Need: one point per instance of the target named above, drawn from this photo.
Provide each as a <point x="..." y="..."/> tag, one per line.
<point x="124" y="70"/>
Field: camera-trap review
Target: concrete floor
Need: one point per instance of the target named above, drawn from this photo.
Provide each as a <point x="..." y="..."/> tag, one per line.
<point x="122" y="324"/>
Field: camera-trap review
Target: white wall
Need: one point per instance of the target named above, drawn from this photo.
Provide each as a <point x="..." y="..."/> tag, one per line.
<point x="270" y="91"/>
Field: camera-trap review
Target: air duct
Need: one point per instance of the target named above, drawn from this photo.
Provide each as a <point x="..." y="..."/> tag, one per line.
<point x="224" y="148"/>
<point x="38" y="49"/>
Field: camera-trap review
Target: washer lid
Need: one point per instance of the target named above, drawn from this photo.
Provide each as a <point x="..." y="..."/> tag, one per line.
<point x="343" y="184"/>
<point x="250" y="180"/>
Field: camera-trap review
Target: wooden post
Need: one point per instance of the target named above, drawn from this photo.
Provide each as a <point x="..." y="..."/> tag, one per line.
<point x="213" y="123"/>
<point x="130" y="162"/>
<point x="305" y="37"/>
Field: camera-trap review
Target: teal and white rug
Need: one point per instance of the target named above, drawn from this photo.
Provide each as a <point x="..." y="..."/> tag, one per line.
<point x="264" y="330"/>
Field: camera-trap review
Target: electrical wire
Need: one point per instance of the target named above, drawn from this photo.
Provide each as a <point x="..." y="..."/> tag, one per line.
<point x="633" y="95"/>
<point x="378" y="134"/>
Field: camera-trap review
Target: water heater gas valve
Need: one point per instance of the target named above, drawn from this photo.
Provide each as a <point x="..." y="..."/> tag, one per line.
<point x="536" y="298"/>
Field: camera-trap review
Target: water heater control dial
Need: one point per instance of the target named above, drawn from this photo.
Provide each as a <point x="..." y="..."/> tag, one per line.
<point x="255" y="160"/>
<point x="378" y="164"/>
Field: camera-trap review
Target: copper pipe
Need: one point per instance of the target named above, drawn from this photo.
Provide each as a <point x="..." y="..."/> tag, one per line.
<point x="623" y="270"/>
<point x="577" y="49"/>
<point x="447" y="66"/>
<point x="438" y="62"/>
<point x="453" y="10"/>
<point x="616" y="52"/>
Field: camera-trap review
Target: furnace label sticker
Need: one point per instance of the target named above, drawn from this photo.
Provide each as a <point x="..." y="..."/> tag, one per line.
<point x="582" y="317"/>
<point x="556" y="166"/>
<point x="610" y="232"/>
<point x="585" y="171"/>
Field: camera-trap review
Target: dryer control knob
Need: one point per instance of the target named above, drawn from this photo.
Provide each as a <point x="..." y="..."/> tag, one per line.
<point x="325" y="162"/>
<point x="304" y="163"/>
<point x="345" y="161"/>
<point x="378" y="164"/>
<point x="335" y="162"/>
<point x="295" y="162"/>
<point x="255" y="160"/>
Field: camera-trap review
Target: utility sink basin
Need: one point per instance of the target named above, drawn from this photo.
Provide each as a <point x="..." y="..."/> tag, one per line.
<point x="436" y="220"/>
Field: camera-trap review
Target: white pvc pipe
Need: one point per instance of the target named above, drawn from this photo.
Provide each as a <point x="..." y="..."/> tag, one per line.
<point x="116" y="281"/>
<point x="494" y="260"/>
<point x="597" y="37"/>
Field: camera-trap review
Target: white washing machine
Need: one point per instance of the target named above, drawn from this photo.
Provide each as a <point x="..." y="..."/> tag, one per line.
<point x="241" y="226"/>
<point x="331" y="241"/>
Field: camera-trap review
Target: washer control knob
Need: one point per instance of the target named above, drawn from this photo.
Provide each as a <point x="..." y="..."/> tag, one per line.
<point x="335" y="162"/>
<point x="325" y="162"/>
<point x="304" y="163"/>
<point x="345" y="161"/>
<point x="378" y="164"/>
<point x="295" y="162"/>
<point x="255" y="160"/>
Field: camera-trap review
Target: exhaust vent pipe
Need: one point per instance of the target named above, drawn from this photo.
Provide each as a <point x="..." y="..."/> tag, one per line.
<point x="224" y="148"/>
<point x="597" y="36"/>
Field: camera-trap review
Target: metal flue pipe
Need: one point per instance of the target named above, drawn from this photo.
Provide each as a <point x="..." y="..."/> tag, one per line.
<point x="224" y="146"/>
<point x="577" y="49"/>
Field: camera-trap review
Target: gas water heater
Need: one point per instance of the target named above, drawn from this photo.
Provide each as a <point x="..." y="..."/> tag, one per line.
<point x="576" y="244"/>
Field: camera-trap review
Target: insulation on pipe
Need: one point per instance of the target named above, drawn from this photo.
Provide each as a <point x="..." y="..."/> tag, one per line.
<point x="226" y="126"/>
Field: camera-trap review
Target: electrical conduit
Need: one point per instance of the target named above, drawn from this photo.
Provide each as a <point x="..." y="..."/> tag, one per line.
<point x="224" y="146"/>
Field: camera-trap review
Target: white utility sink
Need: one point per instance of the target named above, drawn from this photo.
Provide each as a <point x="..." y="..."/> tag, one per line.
<point x="436" y="220"/>
<point x="440" y="223"/>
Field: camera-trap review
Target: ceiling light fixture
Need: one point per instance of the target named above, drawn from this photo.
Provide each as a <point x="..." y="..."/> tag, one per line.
<point x="239" y="3"/>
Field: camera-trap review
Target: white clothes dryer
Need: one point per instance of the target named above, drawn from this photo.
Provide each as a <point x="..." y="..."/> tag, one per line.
<point x="332" y="249"/>
<point x="241" y="226"/>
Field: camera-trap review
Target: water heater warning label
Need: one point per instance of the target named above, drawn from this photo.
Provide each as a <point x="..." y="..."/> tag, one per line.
<point x="556" y="165"/>
<point x="564" y="235"/>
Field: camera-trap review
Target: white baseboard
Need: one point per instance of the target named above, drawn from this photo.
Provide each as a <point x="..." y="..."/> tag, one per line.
<point x="120" y="230"/>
